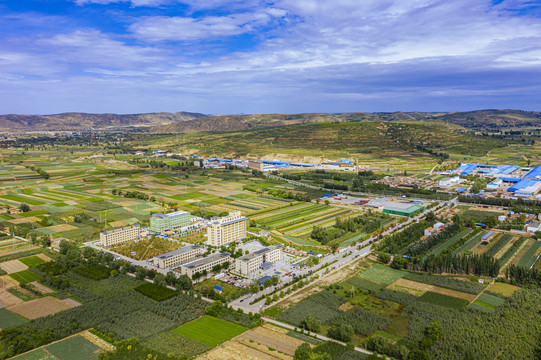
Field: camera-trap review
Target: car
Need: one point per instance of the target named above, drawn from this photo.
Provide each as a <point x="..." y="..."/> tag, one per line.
<point x="242" y="300"/>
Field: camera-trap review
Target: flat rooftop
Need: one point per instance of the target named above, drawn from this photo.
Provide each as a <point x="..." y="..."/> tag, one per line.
<point x="173" y="214"/>
<point x="207" y="260"/>
<point x="176" y="252"/>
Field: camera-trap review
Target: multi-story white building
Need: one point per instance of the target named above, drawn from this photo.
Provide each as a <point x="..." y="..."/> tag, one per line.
<point x="178" y="256"/>
<point x="166" y="223"/>
<point x="450" y="181"/>
<point x="119" y="236"/>
<point x="227" y="229"/>
<point x="206" y="263"/>
<point x="247" y="264"/>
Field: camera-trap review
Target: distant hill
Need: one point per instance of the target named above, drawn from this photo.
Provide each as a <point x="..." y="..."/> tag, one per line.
<point x="186" y="122"/>
<point x="481" y="119"/>
<point x="79" y="121"/>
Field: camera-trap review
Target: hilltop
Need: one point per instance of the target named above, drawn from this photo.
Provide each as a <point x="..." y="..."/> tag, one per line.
<point x="480" y="119"/>
<point x="79" y="121"/>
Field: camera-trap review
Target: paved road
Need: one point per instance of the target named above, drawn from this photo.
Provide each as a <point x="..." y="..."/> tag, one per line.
<point x="320" y="337"/>
<point x="142" y="263"/>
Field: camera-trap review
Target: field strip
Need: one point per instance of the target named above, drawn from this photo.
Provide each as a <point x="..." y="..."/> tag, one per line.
<point x="311" y="222"/>
<point x="523" y="250"/>
<point x="506" y="247"/>
<point x="283" y="211"/>
<point x="332" y="212"/>
<point x="299" y="215"/>
<point x="440" y="248"/>
<point x="470" y="243"/>
<point x="530" y="255"/>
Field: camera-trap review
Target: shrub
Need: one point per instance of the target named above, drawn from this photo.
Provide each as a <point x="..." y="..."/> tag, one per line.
<point x="155" y="292"/>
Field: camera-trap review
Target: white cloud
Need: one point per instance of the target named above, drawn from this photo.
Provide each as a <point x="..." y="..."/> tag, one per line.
<point x="162" y="28"/>
<point x="94" y="47"/>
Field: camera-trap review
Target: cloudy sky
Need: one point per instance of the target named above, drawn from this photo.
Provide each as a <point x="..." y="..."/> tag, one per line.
<point x="255" y="56"/>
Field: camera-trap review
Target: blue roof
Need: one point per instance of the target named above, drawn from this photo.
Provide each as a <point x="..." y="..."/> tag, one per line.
<point x="487" y="235"/>
<point x="509" y="169"/>
<point x="534" y="173"/>
<point x="262" y="280"/>
<point x="460" y="190"/>
<point x="510" y="179"/>
<point x="468" y="170"/>
<point x="523" y="184"/>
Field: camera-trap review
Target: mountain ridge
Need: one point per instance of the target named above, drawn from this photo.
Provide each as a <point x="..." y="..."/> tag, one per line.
<point x="81" y="121"/>
<point x="185" y="122"/>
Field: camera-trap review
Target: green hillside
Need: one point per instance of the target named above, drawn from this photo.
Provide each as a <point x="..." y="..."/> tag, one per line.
<point x="366" y="141"/>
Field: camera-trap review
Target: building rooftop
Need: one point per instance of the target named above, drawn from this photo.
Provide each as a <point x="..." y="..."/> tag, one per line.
<point x="173" y="214"/>
<point x="207" y="260"/>
<point x="176" y="252"/>
<point x="120" y="229"/>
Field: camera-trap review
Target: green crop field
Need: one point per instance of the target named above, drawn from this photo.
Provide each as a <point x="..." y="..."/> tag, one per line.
<point x="444" y="300"/>
<point x="25" y="277"/>
<point x="32" y="261"/>
<point x="383" y="274"/>
<point x="491" y="299"/>
<point x="75" y="347"/>
<point x="8" y="319"/>
<point x="438" y="249"/>
<point x="209" y="330"/>
<point x="529" y="256"/>
<point x="38" y="354"/>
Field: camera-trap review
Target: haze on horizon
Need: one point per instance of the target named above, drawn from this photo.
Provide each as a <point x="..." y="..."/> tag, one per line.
<point x="283" y="56"/>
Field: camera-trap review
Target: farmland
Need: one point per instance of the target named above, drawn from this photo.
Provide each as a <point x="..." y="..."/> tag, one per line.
<point x="209" y="330"/>
<point x="74" y="347"/>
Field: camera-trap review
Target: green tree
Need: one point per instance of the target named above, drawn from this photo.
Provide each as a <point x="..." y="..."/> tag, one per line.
<point x="303" y="352"/>
<point x="24" y="207"/>
<point x="311" y="323"/>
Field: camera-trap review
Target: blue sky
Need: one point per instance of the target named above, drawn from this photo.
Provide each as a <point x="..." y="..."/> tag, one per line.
<point x="282" y="56"/>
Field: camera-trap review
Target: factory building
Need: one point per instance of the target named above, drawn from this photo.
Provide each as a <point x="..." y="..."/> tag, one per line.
<point x="207" y="264"/>
<point x="119" y="236"/>
<point x="247" y="264"/>
<point x="402" y="209"/>
<point x="178" y="256"/>
<point x="221" y="231"/>
<point x="166" y="223"/>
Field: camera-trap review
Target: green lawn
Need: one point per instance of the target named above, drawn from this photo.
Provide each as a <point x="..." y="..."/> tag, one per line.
<point x="32" y="261"/>
<point x="8" y="319"/>
<point x="210" y="331"/>
<point x="24" y="277"/>
<point x="383" y="274"/>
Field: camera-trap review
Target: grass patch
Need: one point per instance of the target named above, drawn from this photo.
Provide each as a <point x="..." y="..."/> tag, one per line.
<point x="32" y="261"/>
<point x="503" y="289"/>
<point x="444" y="300"/>
<point x="210" y="331"/>
<point x="363" y="283"/>
<point x="25" y="277"/>
<point x="9" y="319"/>
<point x="383" y="274"/>
<point x="155" y="292"/>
